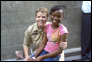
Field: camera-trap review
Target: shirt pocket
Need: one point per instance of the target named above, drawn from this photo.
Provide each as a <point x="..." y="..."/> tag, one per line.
<point x="35" y="36"/>
<point x="36" y="39"/>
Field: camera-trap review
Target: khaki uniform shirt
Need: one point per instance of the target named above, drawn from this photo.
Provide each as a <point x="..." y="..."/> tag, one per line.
<point x="33" y="38"/>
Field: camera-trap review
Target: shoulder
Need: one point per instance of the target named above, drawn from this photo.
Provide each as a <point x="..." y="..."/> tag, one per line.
<point x="29" y="29"/>
<point x="46" y="27"/>
<point x="62" y="26"/>
<point x="63" y="30"/>
<point x="47" y="24"/>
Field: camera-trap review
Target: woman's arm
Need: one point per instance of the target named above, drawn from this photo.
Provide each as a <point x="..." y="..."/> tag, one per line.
<point x="40" y="49"/>
<point x="57" y="52"/>
<point x="26" y="49"/>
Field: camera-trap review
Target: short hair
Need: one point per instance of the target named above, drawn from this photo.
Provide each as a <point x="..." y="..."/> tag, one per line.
<point x="57" y="7"/>
<point x="42" y="9"/>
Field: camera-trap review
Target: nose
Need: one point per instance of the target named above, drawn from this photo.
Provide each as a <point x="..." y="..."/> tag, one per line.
<point x="40" y="18"/>
<point x="55" y="18"/>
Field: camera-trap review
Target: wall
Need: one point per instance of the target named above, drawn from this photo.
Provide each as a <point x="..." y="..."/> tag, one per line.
<point x="16" y="16"/>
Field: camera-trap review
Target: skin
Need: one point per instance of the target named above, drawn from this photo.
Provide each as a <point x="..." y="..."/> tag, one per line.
<point x="56" y="18"/>
<point x="41" y="19"/>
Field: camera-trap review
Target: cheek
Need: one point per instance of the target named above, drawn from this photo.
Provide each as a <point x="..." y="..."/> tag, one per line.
<point x="60" y="20"/>
<point x="44" y="19"/>
<point x="37" y="19"/>
<point x="51" y="18"/>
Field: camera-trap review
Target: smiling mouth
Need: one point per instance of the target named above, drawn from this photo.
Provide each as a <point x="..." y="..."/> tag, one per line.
<point x="54" y="21"/>
<point x="41" y="23"/>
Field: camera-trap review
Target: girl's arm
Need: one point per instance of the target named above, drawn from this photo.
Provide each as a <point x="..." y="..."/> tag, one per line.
<point x="57" y="52"/>
<point x="44" y="41"/>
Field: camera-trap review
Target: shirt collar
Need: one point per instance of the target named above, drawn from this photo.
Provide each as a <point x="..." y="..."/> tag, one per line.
<point x="35" y="29"/>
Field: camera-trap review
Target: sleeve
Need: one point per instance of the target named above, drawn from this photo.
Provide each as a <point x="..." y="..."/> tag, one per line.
<point x="63" y="31"/>
<point x="27" y="37"/>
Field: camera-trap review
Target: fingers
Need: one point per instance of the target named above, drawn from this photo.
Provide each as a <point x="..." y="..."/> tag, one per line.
<point x="63" y="45"/>
<point x="30" y="59"/>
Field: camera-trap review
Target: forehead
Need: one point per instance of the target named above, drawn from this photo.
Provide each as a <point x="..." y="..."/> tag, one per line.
<point x="61" y="11"/>
<point x="58" y="12"/>
<point x="41" y="13"/>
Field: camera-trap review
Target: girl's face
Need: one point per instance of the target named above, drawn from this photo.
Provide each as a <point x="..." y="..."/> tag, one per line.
<point x="41" y="19"/>
<point x="56" y="17"/>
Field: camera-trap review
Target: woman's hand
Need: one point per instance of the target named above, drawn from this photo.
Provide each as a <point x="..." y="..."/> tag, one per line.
<point x="63" y="45"/>
<point x="39" y="58"/>
<point x="26" y="59"/>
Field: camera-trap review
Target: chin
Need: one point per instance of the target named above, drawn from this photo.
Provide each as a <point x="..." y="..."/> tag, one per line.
<point x="55" y="23"/>
<point x="41" y="26"/>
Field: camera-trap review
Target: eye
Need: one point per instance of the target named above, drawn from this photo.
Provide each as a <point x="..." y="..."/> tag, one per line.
<point x="38" y="16"/>
<point x="43" y="16"/>
<point x="53" y="15"/>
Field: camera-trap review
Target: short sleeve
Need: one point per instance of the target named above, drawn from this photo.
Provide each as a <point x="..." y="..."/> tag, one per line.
<point x="27" y="37"/>
<point x="64" y="30"/>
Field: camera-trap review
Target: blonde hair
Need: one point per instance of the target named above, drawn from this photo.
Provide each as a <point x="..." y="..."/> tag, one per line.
<point x="42" y="9"/>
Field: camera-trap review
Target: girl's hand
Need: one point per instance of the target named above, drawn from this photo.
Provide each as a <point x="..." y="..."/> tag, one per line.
<point x="39" y="58"/>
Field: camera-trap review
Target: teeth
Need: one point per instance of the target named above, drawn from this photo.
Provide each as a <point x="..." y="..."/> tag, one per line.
<point x="54" y="21"/>
<point x="40" y="23"/>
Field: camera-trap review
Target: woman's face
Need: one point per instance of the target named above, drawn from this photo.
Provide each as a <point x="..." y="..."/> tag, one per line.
<point x="56" y="17"/>
<point x="41" y="19"/>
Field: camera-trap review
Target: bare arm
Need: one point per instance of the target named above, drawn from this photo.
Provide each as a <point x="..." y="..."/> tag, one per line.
<point x="26" y="50"/>
<point x="44" y="41"/>
<point x="26" y="44"/>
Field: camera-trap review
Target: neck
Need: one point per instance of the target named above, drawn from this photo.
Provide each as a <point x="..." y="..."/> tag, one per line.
<point x="55" y="26"/>
<point x="40" y="27"/>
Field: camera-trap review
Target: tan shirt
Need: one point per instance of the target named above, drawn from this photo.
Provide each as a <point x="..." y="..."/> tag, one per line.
<point x="33" y="36"/>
